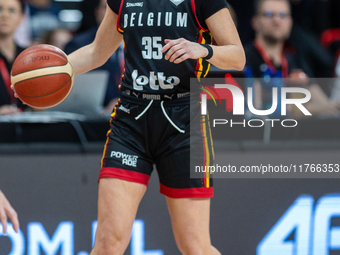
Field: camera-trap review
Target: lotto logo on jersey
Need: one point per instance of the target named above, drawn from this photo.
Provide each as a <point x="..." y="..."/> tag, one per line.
<point x="129" y="160"/>
<point x="155" y="81"/>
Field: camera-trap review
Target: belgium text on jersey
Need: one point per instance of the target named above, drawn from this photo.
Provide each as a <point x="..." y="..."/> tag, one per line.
<point x="151" y="19"/>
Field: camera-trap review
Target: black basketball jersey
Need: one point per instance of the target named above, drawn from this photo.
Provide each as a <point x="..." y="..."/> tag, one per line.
<point x="145" y="24"/>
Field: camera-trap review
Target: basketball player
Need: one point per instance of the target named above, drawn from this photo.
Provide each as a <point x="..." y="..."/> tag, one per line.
<point x="6" y="210"/>
<point x="166" y="43"/>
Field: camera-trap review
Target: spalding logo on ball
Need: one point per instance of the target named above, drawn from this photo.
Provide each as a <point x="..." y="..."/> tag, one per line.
<point x="42" y="76"/>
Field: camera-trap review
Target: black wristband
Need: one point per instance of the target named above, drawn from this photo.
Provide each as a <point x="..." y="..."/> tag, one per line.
<point x="210" y="51"/>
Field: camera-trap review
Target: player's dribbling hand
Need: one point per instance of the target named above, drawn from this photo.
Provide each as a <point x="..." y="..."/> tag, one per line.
<point x="15" y="94"/>
<point x="181" y="49"/>
<point x="7" y="210"/>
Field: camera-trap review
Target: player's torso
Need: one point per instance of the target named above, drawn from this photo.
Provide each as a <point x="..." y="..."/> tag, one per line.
<point x="145" y="25"/>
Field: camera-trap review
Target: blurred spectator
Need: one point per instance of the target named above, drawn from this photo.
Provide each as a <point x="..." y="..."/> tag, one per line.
<point x="311" y="15"/>
<point x="58" y="37"/>
<point x="244" y="11"/>
<point x="89" y="18"/>
<point x="233" y="14"/>
<point x="266" y="57"/>
<point x="43" y="16"/>
<point x="22" y="34"/>
<point x="311" y="18"/>
<point x="112" y="65"/>
<point x="11" y="14"/>
<point x="316" y="15"/>
<point x="308" y="46"/>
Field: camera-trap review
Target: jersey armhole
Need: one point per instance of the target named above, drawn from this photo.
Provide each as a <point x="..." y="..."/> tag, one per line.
<point x="120" y="30"/>
<point x="193" y="6"/>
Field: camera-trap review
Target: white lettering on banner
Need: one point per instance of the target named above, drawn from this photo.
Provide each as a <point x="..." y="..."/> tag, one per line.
<point x="137" y="240"/>
<point x="17" y="240"/>
<point x="314" y="234"/>
<point x="39" y="239"/>
<point x="163" y="81"/>
<point x="305" y="228"/>
<point x="62" y="241"/>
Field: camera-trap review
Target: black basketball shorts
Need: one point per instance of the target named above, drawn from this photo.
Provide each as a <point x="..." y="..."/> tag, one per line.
<point x="145" y="133"/>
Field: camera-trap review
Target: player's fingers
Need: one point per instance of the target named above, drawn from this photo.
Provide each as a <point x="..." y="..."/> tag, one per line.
<point x="12" y="214"/>
<point x="182" y="58"/>
<point x="169" y="44"/>
<point x="15" y="94"/>
<point x="172" y="51"/>
<point x="177" y="54"/>
<point x="3" y="220"/>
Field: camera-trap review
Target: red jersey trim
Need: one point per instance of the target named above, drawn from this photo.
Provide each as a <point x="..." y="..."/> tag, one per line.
<point x="264" y="54"/>
<point x="124" y="174"/>
<point x="5" y="76"/>
<point x="193" y="5"/>
<point x="105" y="148"/>
<point x="199" y="61"/>
<point x="120" y="30"/>
<point x="187" y="193"/>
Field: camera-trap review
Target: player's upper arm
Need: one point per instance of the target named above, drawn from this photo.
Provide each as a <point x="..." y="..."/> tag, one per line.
<point x="223" y="29"/>
<point x="224" y="32"/>
<point x="107" y="38"/>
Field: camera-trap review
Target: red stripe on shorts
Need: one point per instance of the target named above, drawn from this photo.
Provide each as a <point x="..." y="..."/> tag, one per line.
<point x="124" y="174"/>
<point x="187" y="193"/>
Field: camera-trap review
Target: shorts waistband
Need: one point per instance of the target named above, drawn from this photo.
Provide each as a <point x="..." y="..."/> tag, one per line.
<point x="144" y="99"/>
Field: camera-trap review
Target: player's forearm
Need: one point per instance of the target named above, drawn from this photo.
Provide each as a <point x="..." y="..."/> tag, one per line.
<point x="228" y="57"/>
<point x="85" y="59"/>
<point x="97" y="53"/>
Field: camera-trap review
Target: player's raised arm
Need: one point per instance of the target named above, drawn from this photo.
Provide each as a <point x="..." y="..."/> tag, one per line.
<point x="98" y="52"/>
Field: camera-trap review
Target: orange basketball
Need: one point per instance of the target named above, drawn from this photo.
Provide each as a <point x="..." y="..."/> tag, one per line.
<point x="42" y="76"/>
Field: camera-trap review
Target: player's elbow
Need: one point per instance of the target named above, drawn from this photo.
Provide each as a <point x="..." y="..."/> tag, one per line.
<point x="233" y="60"/>
<point x="97" y="56"/>
<point x="239" y="67"/>
<point x="240" y="61"/>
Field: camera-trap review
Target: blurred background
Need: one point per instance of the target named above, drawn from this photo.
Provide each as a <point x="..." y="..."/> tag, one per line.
<point x="50" y="160"/>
